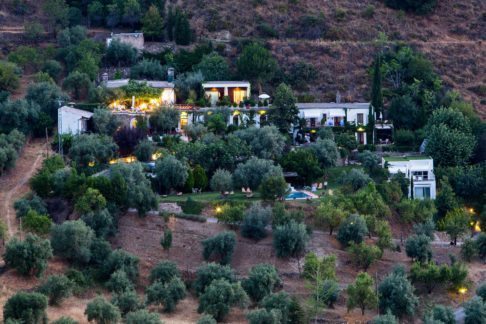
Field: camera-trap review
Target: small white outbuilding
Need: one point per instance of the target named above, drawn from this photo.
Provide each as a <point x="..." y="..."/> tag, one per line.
<point x="72" y="121"/>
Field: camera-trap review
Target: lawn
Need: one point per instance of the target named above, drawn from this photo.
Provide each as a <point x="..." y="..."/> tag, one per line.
<point x="206" y="197"/>
<point x="210" y="196"/>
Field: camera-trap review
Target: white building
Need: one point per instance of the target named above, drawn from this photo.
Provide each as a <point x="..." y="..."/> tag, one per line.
<point x="317" y="115"/>
<point x="236" y="91"/>
<point x="418" y="169"/>
<point x="337" y="114"/>
<point x="72" y="121"/>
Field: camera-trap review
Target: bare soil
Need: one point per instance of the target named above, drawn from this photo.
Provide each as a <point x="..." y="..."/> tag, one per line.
<point x="141" y="236"/>
<point x="14" y="183"/>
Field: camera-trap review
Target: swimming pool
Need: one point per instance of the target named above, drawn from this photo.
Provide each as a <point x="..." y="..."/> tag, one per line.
<point x="298" y="195"/>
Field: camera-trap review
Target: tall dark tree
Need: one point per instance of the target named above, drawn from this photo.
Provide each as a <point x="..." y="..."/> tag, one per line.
<point x="376" y="93"/>
<point x="284" y="111"/>
<point x="170" y="24"/>
<point x="256" y="64"/>
<point x="182" y="29"/>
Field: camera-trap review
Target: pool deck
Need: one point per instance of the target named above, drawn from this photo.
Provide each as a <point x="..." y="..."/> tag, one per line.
<point x="310" y="195"/>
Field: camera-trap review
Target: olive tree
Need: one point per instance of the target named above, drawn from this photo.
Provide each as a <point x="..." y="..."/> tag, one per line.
<point x="164" y="271"/>
<point x="24" y="307"/>
<point x="222" y="244"/>
<point x="361" y="293"/>
<point x="221" y="181"/>
<point x="121" y="260"/>
<point x="262" y="280"/>
<point x="28" y="257"/>
<point x="290" y="240"/>
<point x="418" y="248"/>
<point x="142" y="317"/>
<point x="132" y="176"/>
<point x="57" y="288"/>
<point x="440" y="313"/>
<point x="326" y="152"/>
<point x="92" y="148"/>
<point x="352" y="229"/>
<point x="220" y="296"/>
<point x="127" y="301"/>
<point x="102" y="312"/>
<point x="252" y="172"/>
<point x="105" y="122"/>
<point x="456" y="223"/>
<point x="364" y="255"/>
<point x="165" y="119"/>
<point x="265" y="142"/>
<point x="72" y="241"/>
<point x="168" y="294"/>
<point x="207" y="273"/>
<point x="328" y="215"/>
<point x="170" y="173"/>
<point x="119" y="282"/>
<point x="475" y="310"/>
<point x="397" y="294"/>
<point x="255" y="219"/>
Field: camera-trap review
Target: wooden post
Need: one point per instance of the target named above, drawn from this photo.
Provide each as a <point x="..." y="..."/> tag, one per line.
<point x="47" y="144"/>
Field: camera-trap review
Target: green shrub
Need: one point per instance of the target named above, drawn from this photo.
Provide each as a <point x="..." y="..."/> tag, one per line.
<point x="261" y="281"/>
<point x="168" y="294"/>
<point x="352" y="229"/>
<point x="290" y="240"/>
<point x="28" y="257"/>
<point x="56" y="288"/>
<point x="420" y="7"/>
<point x="195" y="218"/>
<point x="190" y="206"/>
<point x="119" y="282"/>
<point x="369" y="11"/>
<point x="222" y="245"/>
<point x="26" y="307"/>
<point x="127" y="301"/>
<point x="164" y="271"/>
<point x="207" y="273"/>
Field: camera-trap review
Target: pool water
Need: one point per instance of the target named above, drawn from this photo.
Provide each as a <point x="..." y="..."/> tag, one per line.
<point x="297" y="195"/>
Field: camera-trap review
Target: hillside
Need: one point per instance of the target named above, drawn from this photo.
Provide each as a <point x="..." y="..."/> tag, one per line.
<point x="338" y="38"/>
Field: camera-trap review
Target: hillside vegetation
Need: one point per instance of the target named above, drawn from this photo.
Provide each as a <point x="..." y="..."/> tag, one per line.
<point x="337" y="37"/>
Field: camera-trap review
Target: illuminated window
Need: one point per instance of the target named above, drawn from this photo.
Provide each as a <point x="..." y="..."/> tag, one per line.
<point x="238" y="95"/>
<point x="183" y="119"/>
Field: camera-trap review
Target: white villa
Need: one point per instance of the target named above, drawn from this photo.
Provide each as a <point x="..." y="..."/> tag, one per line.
<point x="418" y="169"/>
<point x="236" y="91"/>
<point x="72" y="121"/>
<point x="238" y="111"/>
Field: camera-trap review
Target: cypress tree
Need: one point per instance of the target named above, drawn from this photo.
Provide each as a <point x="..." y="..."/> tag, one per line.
<point x="182" y="30"/>
<point x="371" y="126"/>
<point x="376" y="94"/>
<point x="170" y="24"/>
<point x="153" y="24"/>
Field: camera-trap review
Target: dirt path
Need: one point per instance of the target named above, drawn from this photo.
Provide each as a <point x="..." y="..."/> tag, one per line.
<point x="14" y="184"/>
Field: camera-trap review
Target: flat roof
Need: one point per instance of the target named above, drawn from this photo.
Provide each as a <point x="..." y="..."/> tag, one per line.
<point x="406" y="158"/>
<point x="331" y="105"/>
<point x="128" y="34"/>
<point x="224" y="83"/>
<point x="112" y="84"/>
